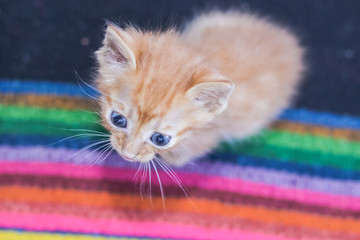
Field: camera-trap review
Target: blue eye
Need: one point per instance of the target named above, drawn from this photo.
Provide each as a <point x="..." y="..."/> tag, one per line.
<point x="118" y="120"/>
<point x="160" y="139"/>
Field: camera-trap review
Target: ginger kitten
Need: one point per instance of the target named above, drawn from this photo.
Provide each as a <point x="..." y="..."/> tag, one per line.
<point x="178" y="94"/>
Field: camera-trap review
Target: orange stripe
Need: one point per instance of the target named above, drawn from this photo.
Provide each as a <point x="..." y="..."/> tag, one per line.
<point x="300" y="128"/>
<point x="47" y="101"/>
<point x="197" y="219"/>
<point x="105" y="199"/>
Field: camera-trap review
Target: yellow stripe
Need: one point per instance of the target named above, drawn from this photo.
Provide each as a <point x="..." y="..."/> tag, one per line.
<point x="15" y="235"/>
<point x="48" y="101"/>
<point x="293" y="127"/>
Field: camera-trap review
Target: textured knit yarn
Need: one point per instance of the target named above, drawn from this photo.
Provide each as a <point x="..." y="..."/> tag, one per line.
<point x="298" y="179"/>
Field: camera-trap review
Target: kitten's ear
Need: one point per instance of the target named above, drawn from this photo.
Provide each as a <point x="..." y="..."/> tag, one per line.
<point x="115" y="50"/>
<point x="212" y="96"/>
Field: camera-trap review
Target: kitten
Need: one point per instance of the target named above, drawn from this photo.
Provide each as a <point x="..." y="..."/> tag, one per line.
<point x="178" y="94"/>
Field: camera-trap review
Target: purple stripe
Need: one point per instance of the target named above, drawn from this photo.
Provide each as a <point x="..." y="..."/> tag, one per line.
<point x="278" y="178"/>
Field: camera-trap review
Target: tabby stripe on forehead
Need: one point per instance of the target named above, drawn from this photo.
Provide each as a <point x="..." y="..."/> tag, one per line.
<point x="143" y="117"/>
<point x="184" y="130"/>
<point x="108" y="99"/>
<point x="171" y="191"/>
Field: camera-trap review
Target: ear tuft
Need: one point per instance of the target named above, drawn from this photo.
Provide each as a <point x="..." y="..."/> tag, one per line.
<point x="115" y="50"/>
<point x="211" y="97"/>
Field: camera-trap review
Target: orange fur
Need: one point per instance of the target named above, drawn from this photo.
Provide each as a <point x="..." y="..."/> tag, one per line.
<point x="226" y="76"/>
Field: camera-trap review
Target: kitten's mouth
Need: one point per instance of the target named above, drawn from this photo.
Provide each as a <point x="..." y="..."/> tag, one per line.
<point x="128" y="159"/>
<point x="134" y="159"/>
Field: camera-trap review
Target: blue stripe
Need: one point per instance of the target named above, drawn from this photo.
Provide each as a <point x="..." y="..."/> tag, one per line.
<point x="48" y="88"/>
<point x="43" y="141"/>
<point x="321" y="118"/>
<point x="291" y="167"/>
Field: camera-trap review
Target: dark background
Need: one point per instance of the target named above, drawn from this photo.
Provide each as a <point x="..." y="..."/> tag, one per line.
<point x="48" y="39"/>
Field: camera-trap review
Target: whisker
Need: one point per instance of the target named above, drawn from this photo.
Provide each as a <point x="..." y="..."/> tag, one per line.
<point x="83" y="130"/>
<point x="160" y="185"/>
<point x="173" y="176"/>
<point x="149" y="169"/>
<point x="82" y="89"/>
<point x="86" y="111"/>
<point x="97" y="151"/>
<point x="96" y="90"/>
<point x="143" y="181"/>
<point x="101" y="153"/>
<point x="167" y="168"/>
<point x="74" y="137"/>
<point x="96" y="108"/>
<point x="107" y="155"/>
<point x="86" y="148"/>
<point x="138" y="171"/>
<point x="96" y="121"/>
<point x="92" y="152"/>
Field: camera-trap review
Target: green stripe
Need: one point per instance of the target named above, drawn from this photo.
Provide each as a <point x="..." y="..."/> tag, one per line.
<point x="299" y="142"/>
<point x="291" y="155"/>
<point x="312" y="143"/>
<point x="43" y="121"/>
<point x="37" y="114"/>
<point x="86" y="120"/>
<point x="45" y="128"/>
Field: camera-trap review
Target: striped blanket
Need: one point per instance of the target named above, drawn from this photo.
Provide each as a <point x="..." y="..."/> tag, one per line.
<point x="298" y="179"/>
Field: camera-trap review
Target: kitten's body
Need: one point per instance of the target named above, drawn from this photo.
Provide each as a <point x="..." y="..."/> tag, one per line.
<point x="181" y="84"/>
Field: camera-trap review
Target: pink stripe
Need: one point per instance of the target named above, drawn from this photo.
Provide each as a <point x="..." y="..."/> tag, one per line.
<point x="188" y="179"/>
<point x="54" y="222"/>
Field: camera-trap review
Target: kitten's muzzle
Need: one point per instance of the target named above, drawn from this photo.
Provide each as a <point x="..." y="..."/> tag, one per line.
<point x="128" y="158"/>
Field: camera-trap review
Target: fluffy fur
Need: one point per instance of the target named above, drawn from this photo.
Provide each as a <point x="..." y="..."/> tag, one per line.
<point x="227" y="75"/>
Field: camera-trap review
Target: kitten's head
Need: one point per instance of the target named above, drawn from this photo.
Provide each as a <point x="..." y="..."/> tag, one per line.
<point x="155" y="89"/>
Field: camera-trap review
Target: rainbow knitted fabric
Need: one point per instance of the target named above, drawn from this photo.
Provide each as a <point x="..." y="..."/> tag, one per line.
<point x="298" y="179"/>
